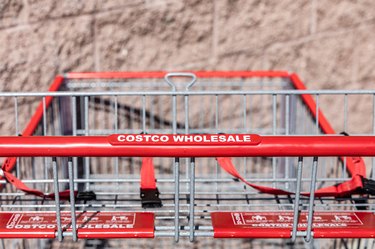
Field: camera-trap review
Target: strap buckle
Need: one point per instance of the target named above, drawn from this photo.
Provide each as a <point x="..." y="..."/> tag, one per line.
<point x="150" y="198"/>
<point x="368" y="186"/>
<point x="86" y="196"/>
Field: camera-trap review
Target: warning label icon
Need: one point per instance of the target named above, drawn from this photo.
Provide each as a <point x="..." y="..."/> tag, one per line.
<point x="285" y="220"/>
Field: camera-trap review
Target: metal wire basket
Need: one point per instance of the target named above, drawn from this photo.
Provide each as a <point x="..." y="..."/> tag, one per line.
<point x="72" y="144"/>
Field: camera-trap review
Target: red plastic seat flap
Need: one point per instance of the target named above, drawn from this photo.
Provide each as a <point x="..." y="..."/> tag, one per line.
<point x="279" y="224"/>
<point x="89" y="224"/>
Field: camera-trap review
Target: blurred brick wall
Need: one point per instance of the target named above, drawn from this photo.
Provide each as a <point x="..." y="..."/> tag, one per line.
<point x="330" y="44"/>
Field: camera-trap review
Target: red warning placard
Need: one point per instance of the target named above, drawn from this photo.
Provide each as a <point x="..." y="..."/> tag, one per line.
<point x="89" y="224"/>
<point x="279" y="224"/>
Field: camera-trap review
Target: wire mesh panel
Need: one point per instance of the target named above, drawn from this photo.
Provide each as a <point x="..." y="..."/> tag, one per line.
<point x="271" y="104"/>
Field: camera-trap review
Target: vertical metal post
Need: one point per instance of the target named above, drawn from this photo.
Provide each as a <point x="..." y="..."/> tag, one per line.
<point x="344" y="172"/>
<point x="343" y="168"/>
<point x="160" y="113"/>
<point x="16" y="115"/>
<point x="287" y="114"/>
<point x="274" y="114"/>
<point x="192" y="198"/>
<point x="2" y="244"/>
<point x="297" y="199"/>
<point x="202" y="116"/>
<point x="87" y="159"/>
<point x="44" y="117"/>
<point x="274" y="127"/>
<point x="176" y="174"/>
<point x="244" y="113"/>
<point x="74" y="133"/>
<point x="287" y="122"/>
<point x="44" y="130"/>
<point x="152" y="112"/>
<point x="57" y="198"/>
<point x="217" y="113"/>
<point x="143" y="113"/>
<point x="174" y="114"/>
<point x="18" y="170"/>
<point x="186" y="103"/>
<point x="345" y="112"/>
<point x="217" y="131"/>
<point x="317" y="114"/>
<point x="72" y="198"/>
<point x="177" y="198"/>
<point x="187" y="160"/>
<point x="33" y="175"/>
<point x="311" y="200"/>
<point x="176" y="169"/>
<point x="116" y="130"/>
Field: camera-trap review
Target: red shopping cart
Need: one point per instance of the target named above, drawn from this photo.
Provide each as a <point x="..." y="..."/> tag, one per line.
<point x="185" y="155"/>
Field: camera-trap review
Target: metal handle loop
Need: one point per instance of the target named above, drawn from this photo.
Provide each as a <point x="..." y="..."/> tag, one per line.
<point x="168" y="79"/>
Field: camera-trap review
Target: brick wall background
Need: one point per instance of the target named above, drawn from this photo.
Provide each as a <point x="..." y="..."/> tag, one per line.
<point x="330" y="44"/>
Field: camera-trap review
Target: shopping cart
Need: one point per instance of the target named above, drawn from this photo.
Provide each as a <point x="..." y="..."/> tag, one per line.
<point x="234" y="154"/>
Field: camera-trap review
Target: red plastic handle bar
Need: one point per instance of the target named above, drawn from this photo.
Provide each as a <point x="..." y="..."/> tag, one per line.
<point x="268" y="146"/>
